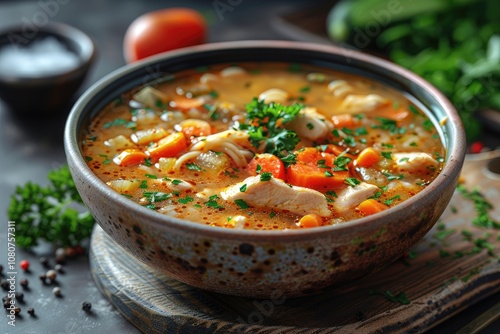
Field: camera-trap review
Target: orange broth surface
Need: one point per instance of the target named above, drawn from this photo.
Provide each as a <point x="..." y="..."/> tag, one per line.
<point x="264" y="146"/>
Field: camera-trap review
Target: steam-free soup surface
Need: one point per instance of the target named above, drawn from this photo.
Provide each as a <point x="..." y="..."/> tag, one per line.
<point x="264" y="146"/>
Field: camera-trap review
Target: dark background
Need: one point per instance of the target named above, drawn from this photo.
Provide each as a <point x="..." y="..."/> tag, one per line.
<point x="31" y="146"/>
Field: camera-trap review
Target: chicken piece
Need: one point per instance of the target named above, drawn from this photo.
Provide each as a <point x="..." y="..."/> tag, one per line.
<point x="414" y="161"/>
<point x="310" y="124"/>
<point x="352" y="196"/>
<point x="277" y="194"/>
<point x="362" y="103"/>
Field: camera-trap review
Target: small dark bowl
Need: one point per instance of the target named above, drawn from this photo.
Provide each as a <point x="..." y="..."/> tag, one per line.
<point x="48" y="93"/>
<point x="265" y="264"/>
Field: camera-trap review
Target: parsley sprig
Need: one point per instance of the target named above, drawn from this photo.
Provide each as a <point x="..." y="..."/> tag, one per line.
<point x="265" y="126"/>
<point x="49" y="212"/>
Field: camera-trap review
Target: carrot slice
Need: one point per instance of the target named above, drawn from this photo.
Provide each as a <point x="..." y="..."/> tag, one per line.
<point x="169" y="146"/>
<point x="268" y="163"/>
<point x="310" y="220"/>
<point x="129" y="157"/>
<point x="343" y="121"/>
<point x="371" y="206"/>
<point x="367" y="157"/>
<point x="309" y="170"/>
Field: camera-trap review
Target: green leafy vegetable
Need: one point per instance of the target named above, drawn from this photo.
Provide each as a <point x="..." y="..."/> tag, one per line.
<point x="54" y="213"/>
<point x="265" y="126"/>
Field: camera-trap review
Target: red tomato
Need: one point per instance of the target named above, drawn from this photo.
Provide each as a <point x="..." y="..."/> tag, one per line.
<point x="163" y="30"/>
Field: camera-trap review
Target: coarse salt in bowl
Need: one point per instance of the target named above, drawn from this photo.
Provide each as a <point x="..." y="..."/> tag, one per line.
<point x="41" y="71"/>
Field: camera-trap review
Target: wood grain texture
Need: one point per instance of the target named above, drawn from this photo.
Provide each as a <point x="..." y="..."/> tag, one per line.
<point x="440" y="278"/>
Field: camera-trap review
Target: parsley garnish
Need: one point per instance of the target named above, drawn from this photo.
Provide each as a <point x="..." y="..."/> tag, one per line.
<point x="387" y="155"/>
<point x="266" y="176"/>
<point x="243" y="188"/>
<point x="305" y="89"/>
<point x="49" y="212"/>
<point x="151" y="176"/>
<point x="120" y="121"/>
<point x="185" y="200"/>
<point x="156" y="196"/>
<point x="241" y="203"/>
<point x="351" y="181"/>
<point x="265" y="123"/>
<point x="193" y="166"/>
<point x="391" y="200"/>
<point x="147" y="162"/>
<point x="176" y="182"/>
<point x="212" y="202"/>
<point x="482" y="207"/>
<point x="144" y="184"/>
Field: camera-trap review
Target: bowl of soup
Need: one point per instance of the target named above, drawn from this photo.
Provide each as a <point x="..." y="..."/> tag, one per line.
<point x="265" y="169"/>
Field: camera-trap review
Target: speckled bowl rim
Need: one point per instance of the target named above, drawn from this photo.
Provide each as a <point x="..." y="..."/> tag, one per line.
<point x="456" y="148"/>
<point x="86" y="55"/>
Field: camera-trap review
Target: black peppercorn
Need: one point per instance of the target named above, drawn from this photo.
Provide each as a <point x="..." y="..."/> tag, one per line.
<point x="1" y="269"/>
<point x="6" y="304"/>
<point x="86" y="306"/>
<point x="44" y="261"/>
<point x="5" y="299"/>
<point x="5" y="285"/>
<point x="24" y="283"/>
<point x="360" y="315"/>
<point x="59" y="268"/>
<point x="17" y="310"/>
<point x="31" y="311"/>
<point x="20" y="296"/>
<point x="43" y="278"/>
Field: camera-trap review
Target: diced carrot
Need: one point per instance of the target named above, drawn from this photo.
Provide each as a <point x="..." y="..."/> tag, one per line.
<point x="169" y="146"/>
<point x="268" y="163"/>
<point x="343" y="121"/>
<point x="310" y="220"/>
<point x="367" y="157"/>
<point x="398" y="114"/>
<point x="185" y="103"/>
<point x="129" y="157"/>
<point x="371" y="206"/>
<point x="309" y="170"/>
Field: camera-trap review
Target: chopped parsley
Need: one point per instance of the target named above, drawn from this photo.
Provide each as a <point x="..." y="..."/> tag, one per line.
<point x="212" y="202"/>
<point x="266" y="176"/>
<point x="147" y="162"/>
<point x="156" y="196"/>
<point x="144" y="184"/>
<point x="265" y="126"/>
<point x="151" y="176"/>
<point x="387" y="155"/>
<point x="351" y="181"/>
<point x="176" y="182"/>
<point x="185" y="200"/>
<point x="391" y="200"/>
<point x="413" y="109"/>
<point x="305" y="89"/>
<point x="241" y="204"/>
<point x="482" y="207"/>
<point x="120" y="121"/>
<point x="106" y="159"/>
<point x="243" y="188"/>
<point x="193" y="166"/>
<point x="213" y="94"/>
<point x="427" y="124"/>
<point x="310" y="126"/>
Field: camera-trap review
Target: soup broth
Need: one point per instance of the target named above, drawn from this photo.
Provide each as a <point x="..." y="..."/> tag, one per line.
<point x="264" y="146"/>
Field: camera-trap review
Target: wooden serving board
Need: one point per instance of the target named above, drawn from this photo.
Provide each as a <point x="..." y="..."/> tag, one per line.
<point x="439" y="278"/>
